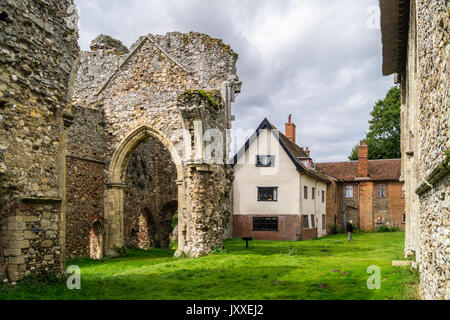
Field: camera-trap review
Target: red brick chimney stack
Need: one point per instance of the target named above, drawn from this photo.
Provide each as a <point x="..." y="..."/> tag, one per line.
<point x="290" y="129"/>
<point x="363" y="160"/>
<point x="308" y="153"/>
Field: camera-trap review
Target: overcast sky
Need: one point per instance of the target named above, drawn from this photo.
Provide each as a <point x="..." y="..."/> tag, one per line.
<point x="315" y="59"/>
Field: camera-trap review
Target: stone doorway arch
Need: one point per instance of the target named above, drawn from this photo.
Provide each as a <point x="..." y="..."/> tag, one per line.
<point x="96" y="241"/>
<point x="114" y="203"/>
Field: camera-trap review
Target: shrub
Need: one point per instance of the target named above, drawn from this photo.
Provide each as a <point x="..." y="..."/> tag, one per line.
<point x="394" y="229"/>
<point x="334" y="229"/>
<point x="388" y="229"/>
<point x="384" y="229"/>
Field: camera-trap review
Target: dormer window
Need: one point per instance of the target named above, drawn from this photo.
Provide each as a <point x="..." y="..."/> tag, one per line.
<point x="265" y="161"/>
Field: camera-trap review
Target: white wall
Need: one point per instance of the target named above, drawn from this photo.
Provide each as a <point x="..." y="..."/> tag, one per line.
<point x="248" y="178"/>
<point x="312" y="206"/>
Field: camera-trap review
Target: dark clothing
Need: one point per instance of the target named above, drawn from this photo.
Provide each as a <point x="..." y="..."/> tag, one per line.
<point x="349" y="227"/>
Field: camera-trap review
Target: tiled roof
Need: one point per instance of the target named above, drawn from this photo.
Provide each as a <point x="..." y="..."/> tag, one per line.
<point x="378" y="169"/>
<point x="298" y="152"/>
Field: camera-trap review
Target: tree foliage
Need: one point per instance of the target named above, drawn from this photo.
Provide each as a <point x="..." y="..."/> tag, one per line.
<point x="383" y="137"/>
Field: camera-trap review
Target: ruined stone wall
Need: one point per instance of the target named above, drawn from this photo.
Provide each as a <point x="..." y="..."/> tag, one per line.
<point x="86" y="179"/>
<point x="434" y="241"/>
<point x="165" y="84"/>
<point x="434" y="83"/>
<point x="38" y="46"/>
<point x="150" y="192"/>
<point x="434" y="145"/>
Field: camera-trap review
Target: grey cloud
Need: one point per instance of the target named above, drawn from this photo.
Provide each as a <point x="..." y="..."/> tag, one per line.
<point x="315" y="59"/>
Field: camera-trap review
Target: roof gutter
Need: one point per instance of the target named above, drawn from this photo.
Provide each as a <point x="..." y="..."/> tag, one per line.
<point x="394" y="31"/>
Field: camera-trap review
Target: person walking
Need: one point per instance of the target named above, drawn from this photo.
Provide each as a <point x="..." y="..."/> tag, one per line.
<point x="350" y="230"/>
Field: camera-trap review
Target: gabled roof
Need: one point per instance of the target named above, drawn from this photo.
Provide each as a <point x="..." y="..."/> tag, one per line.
<point x="293" y="151"/>
<point x="379" y="170"/>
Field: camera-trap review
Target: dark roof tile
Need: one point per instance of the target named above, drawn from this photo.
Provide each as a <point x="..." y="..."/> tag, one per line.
<point x="379" y="170"/>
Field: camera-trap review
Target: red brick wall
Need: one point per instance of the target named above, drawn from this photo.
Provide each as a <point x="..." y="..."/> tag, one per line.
<point x="396" y="204"/>
<point x="288" y="228"/>
<point x="363" y="160"/>
<point x="366" y="191"/>
<point x="308" y="234"/>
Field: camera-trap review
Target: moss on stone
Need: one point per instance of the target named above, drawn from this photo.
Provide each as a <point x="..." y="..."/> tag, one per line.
<point x="205" y="95"/>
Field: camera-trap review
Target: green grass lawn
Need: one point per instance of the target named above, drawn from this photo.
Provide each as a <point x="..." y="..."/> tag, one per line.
<point x="329" y="268"/>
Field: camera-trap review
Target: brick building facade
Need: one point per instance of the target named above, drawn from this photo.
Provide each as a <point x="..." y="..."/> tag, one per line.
<point x="368" y="192"/>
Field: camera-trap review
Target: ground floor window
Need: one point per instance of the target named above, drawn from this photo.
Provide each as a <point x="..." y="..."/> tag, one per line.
<point x="265" y="224"/>
<point x="324" y="222"/>
<point x="404" y="218"/>
<point x="313" y="221"/>
<point x="305" y="222"/>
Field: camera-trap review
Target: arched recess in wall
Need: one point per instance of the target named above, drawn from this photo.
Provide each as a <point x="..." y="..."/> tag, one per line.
<point x="122" y="156"/>
<point x="168" y="212"/>
<point x="96" y="241"/>
<point x="114" y="206"/>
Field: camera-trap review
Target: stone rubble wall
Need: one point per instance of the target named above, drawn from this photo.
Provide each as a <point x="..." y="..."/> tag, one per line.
<point x="151" y="188"/>
<point x="426" y="137"/>
<point x="38" y="47"/>
<point x="434" y="82"/>
<point x="164" y="84"/>
<point x="434" y="226"/>
<point x="86" y="179"/>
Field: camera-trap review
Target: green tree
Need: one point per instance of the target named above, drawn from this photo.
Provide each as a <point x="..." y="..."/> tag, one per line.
<point x="383" y="137"/>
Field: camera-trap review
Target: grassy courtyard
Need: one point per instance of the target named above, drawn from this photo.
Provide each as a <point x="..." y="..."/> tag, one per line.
<point x="324" y="269"/>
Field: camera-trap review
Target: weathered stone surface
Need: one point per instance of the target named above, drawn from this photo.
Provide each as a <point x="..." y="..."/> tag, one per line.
<point x="401" y="263"/>
<point x="104" y="42"/>
<point x="46" y="243"/>
<point x="151" y="196"/>
<point x="166" y="84"/>
<point x="426" y="143"/>
<point x="38" y="47"/>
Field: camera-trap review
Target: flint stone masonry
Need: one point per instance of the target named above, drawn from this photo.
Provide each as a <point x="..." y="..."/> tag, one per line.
<point x="434" y="140"/>
<point x="426" y="142"/>
<point x="38" y="47"/>
<point x="167" y="92"/>
<point x="151" y="196"/>
<point x="86" y="179"/>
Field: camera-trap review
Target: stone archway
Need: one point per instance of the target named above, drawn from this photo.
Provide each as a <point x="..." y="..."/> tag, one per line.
<point x="114" y="203"/>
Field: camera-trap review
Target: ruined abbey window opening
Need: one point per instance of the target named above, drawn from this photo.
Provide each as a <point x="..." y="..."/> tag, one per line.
<point x="150" y="196"/>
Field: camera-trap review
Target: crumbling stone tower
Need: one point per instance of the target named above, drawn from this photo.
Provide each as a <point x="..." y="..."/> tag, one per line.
<point x="38" y="46"/>
<point x="164" y="104"/>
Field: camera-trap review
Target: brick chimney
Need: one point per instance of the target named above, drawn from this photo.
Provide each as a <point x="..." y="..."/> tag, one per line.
<point x="363" y="160"/>
<point x="290" y="129"/>
<point x="308" y="153"/>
